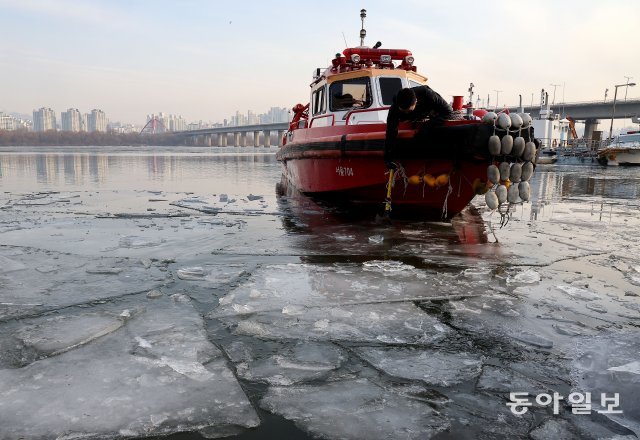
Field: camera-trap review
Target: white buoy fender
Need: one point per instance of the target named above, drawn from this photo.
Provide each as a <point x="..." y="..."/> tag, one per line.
<point x="513" y="194"/>
<point x="526" y="119"/>
<point x="527" y="171"/>
<point x="504" y="121"/>
<point x="507" y="144"/>
<point x="505" y="169"/>
<point x="493" y="174"/>
<point x="516" y="173"/>
<point x="501" y="193"/>
<point x="516" y="121"/>
<point x="489" y="118"/>
<point x="494" y="145"/>
<point x="529" y="151"/>
<point x="491" y="199"/>
<point x="518" y="146"/>
<point x="525" y="191"/>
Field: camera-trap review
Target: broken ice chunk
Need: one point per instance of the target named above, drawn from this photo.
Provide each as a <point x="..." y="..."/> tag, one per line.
<point x="105" y="270"/>
<point x="631" y="367"/>
<point x="191" y="273"/>
<point x="434" y="367"/>
<point x="354" y="410"/>
<point x="578" y="293"/>
<point x="529" y="276"/>
<point x="306" y="361"/>
<point x="385" y="267"/>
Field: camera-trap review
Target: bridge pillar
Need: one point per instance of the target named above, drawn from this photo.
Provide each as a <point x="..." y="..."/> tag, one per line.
<point x="590" y="125"/>
<point x="256" y="138"/>
<point x="280" y="134"/>
<point x="236" y="139"/>
<point x="222" y="139"/>
<point x="243" y="139"/>
<point x="207" y="140"/>
<point x="267" y="138"/>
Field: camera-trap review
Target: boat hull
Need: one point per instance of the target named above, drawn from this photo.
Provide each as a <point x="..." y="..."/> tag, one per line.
<point x="363" y="181"/>
<point x="344" y="164"/>
<point x="617" y="156"/>
<point x="547" y="156"/>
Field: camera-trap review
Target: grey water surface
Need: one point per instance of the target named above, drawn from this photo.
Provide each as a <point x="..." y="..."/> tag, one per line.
<point x="188" y="293"/>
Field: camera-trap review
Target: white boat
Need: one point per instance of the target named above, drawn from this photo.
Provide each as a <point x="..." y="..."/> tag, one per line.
<point x="546" y="156"/>
<point x="624" y="150"/>
<point x="550" y="130"/>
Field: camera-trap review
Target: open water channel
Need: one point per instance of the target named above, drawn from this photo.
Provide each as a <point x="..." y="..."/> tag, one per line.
<point x="186" y="293"/>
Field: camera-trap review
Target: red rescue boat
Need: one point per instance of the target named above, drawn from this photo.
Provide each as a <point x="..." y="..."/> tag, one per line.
<point x="334" y="146"/>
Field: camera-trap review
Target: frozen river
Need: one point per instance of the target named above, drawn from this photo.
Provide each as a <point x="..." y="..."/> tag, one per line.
<point x="185" y="293"/>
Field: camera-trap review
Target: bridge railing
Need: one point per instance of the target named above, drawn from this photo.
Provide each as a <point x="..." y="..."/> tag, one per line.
<point x="578" y="103"/>
<point x="582" y="147"/>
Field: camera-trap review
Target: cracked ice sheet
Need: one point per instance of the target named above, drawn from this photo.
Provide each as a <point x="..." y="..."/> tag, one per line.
<point x="356" y="409"/>
<point x="434" y="367"/>
<point x="42" y="280"/>
<point x="550" y="308"/>
<point x="159" y="238"/>
<point x="133" y="226"/>
<point x="231" y="203"/>
<point x="291" y="288"/>
<point x="387" y="323"/>
<point x="565" y="229"/>
<point x="608" y="364"/>
<point x="302" y="362"/>
<point x="152" y="373"/>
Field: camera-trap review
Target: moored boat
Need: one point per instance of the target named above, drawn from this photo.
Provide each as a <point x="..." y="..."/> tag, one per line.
<point x="547" y="156"/>
<point x="334" y="146"/>
<point x="624" y="150"/>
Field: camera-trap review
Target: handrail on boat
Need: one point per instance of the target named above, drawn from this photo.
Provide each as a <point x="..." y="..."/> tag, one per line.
<point x="330" y="115"/>
<point x="363" y="110"/>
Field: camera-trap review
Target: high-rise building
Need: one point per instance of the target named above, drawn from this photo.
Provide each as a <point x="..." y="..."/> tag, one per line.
<point x="97" y="121"/>
<point x="238" y="119"/>
<point x="7" y="122"/>
<point x="72" y="120"/>
<point x="167" y="123"/>
<point x="252" y="118"/>
<point x="44" y="119"/>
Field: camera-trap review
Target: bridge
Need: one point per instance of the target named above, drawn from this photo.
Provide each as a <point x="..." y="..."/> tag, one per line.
<point x="590" y="112"/>
<point x="260" y="135"/>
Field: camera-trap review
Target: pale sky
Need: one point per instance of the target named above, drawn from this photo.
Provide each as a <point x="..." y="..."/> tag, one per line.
<point x="206" y="59"/>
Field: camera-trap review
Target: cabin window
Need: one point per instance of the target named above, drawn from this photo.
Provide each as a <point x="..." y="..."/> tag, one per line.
<point x="414" y="84"/>
<point x="350" y="94"/>
<point x="318" y="101"/>
<point x="389" y="88"/>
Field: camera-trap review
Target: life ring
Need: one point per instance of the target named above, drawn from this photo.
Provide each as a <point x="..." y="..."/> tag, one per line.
<point x="555" y="142"/>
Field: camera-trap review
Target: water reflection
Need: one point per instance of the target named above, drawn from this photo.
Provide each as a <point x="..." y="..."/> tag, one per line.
<point x="569" y="181"/>
<point x="134" y="170"/>
<point x="332" y="234"/>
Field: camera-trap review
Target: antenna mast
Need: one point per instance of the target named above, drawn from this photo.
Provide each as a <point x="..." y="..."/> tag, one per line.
<point x="363" y="33"/>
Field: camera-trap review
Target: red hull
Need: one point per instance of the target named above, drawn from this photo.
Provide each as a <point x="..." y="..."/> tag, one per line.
<point x="363" y="180"/>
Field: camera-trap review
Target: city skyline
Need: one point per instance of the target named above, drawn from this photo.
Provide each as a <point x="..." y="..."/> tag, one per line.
<point x="204" y="60"/>
<point x="76" y="121"/>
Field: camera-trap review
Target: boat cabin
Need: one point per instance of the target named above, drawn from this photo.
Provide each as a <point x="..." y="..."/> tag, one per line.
<point x="360" y="86"/>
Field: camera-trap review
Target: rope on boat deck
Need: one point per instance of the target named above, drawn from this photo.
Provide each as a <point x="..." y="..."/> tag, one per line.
<point x="400" y="172"/>
<point x="445" y="208"/>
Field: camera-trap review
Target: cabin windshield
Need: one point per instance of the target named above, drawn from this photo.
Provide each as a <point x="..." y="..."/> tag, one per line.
<point x="389" y="88"/>
<point x="350" y="94"/>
